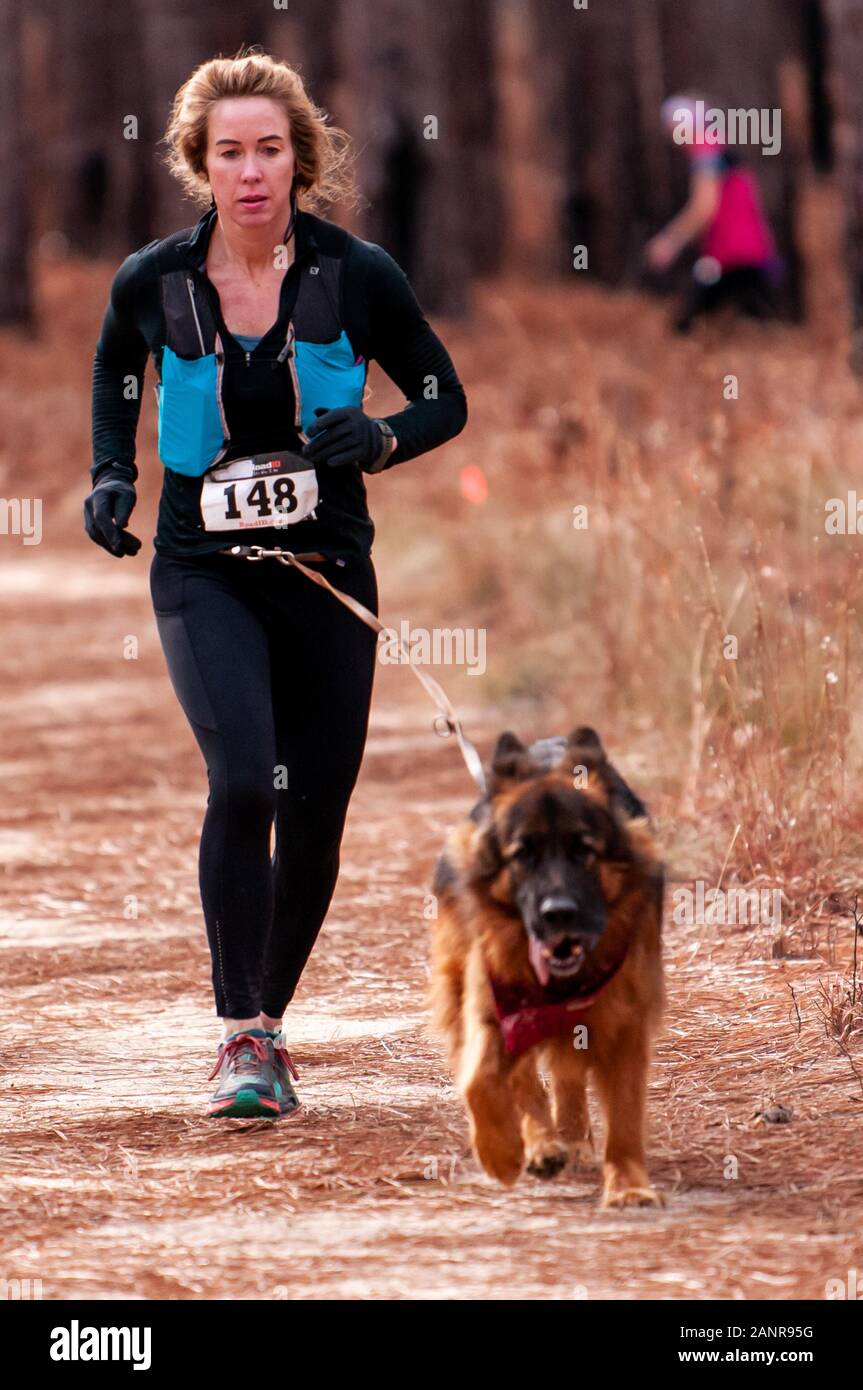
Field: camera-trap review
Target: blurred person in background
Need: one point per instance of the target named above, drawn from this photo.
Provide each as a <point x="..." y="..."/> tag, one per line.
<point x="737" y="261"/>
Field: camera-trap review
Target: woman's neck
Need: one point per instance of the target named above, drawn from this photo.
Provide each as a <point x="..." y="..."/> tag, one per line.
<point x="249" y="251"/>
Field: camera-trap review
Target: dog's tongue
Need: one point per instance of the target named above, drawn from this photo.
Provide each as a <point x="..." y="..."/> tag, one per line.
<point x="538" y="961"/>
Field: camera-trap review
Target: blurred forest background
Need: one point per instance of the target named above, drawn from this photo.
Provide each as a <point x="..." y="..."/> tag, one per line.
<point x="700" y="615"/>
<point x="548" y="117"/>
<point x="706" y="513"/>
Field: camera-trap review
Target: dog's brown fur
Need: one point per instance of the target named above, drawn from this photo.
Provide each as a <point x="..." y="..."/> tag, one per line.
<point x="513" y="1120"/>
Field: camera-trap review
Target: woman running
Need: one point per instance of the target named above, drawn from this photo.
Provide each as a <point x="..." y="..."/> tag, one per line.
<point x="261" y="321"/>
<point x="737" y="261"/>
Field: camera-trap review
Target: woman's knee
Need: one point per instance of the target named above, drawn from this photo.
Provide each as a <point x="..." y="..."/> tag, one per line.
<point x="315" y="820"/>
<point x="245" y="794"/>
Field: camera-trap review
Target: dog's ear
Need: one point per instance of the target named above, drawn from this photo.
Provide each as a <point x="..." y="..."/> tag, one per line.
<point x="510" y="762"/>
<point x="486" y="860"/>
<point x="620" y="795"/>
<point x="584" y="750"/>
<point x="583" y="747"/>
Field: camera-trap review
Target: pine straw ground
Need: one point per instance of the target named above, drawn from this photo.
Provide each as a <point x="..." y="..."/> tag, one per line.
<point x="706" y="519"/>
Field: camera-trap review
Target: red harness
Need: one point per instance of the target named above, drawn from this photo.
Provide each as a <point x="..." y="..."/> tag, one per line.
<point x="527" y="1015"/>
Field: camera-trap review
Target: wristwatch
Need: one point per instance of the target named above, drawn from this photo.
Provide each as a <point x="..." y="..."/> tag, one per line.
<point x="389" y="444"/>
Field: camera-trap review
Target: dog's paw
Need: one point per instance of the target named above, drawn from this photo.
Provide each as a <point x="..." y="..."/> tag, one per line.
<point x="548" y="1159"/>
<point x="499" y="1160"/>
<point x="506" y="1172"/>
<point x="631" y="1197"/>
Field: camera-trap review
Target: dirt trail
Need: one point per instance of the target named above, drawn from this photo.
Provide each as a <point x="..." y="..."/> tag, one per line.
<point x="113" y="1184"/>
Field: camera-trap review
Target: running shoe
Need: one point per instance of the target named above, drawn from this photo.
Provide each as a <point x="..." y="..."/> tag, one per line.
<point x="249" y="1086"/>
<point x="289" y="1101"/>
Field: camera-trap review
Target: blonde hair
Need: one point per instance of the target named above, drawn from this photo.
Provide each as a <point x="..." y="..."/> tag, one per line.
<point x="323" y="157"/>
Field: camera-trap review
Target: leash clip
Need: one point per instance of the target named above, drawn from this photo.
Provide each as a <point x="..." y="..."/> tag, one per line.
<point x="444" y="725"/>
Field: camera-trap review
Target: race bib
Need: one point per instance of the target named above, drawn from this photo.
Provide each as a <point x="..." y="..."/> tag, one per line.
<point x="258" y="491"/>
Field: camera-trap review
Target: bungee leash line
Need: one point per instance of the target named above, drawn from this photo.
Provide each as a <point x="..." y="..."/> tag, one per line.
<point x="447" y="721"/>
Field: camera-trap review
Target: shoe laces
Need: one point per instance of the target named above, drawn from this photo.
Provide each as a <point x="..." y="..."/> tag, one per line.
<point x="281" y="1051"/>
<point x="242" y="1053"/>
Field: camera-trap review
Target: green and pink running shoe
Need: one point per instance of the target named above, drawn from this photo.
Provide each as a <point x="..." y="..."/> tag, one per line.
<point x="249" y="1079"/>
<point x="289" y="1101"/>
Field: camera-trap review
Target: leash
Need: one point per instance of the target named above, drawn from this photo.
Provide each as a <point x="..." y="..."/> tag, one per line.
<point x="447" y="721"/>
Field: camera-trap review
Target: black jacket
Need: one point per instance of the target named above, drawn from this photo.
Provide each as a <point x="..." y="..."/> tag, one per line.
<point x="383" y="322"/>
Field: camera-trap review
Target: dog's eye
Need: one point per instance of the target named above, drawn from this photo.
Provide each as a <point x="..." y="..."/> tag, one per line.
<point x="523" y="850"/>
<point x="583" y="847"/>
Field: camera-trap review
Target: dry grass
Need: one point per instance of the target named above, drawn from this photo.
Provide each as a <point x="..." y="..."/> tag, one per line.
<point x="703" y="620"/>
<point x="706" y="518"/>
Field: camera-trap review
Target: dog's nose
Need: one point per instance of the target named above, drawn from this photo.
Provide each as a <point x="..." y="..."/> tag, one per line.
<point x="558" y="911"/>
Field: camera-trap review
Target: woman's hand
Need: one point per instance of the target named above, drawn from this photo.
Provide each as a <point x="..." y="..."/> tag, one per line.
<point x="343" y="436"/>
<point x="106" y="514"/>
<point x="701" y="208"/>
<point x="660" y="251"/>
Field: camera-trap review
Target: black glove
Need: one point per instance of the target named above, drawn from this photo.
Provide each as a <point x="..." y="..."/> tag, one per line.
<point x="343" y="436"/>
<point x="107" y="511"/>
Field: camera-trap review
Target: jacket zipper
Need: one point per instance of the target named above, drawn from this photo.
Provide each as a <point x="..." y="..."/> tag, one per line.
<point x="220" y="369"/>
<point x="220" y="364"/>
<point x="288" y="353"/>
<point x="191" y="285"/>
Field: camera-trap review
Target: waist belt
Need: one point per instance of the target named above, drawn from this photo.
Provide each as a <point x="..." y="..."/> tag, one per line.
<point x="247" y="552"/>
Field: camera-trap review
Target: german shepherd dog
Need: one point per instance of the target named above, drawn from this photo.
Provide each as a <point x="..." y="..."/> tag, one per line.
<point x="546" y="951"/>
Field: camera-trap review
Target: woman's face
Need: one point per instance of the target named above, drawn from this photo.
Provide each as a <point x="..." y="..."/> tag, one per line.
<point x="250" y="160"/>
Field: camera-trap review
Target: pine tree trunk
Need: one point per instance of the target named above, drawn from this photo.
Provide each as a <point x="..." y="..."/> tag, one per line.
<point x="15" y="291"/>
<point x="420" y="104"/>
<point x="845" y="40"/>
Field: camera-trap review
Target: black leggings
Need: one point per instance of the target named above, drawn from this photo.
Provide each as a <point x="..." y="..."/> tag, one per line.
<point x="747" y="287"/>
<point x="275" y="677"/>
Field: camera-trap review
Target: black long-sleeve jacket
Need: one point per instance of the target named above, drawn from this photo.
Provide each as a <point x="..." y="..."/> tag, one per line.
<point x="383" y="322"/>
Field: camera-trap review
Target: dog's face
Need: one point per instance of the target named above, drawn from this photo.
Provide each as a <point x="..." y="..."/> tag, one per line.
<point x="552" y="854"/>
<point x="554" y="841"/>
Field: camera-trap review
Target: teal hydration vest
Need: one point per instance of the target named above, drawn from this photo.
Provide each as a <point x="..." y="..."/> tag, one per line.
<point x="326" y="372"/>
